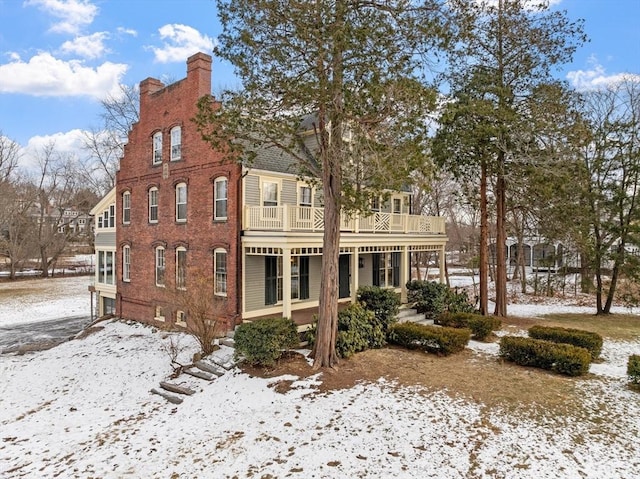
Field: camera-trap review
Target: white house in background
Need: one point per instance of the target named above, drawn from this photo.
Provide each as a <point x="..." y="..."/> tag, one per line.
<point x="104" y="284"/>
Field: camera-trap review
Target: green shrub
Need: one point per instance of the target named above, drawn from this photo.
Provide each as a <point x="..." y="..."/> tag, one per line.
<point x="384" y="303"/>
<point x="577" y="337"/>
<point x="562" y="358"/>
<point x="432" y="298"/>
<point x="264" y="341"/>
<point x="433" y="339"/>
<point x="480" y="326"/>
<point x="633" y="368"/>
<point x="358" y="330"/>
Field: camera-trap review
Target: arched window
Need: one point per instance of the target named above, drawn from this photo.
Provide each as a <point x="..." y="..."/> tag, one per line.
<point x="160" y="264"/>
<point x="220" y="198"/>
<point x="126" y="207"/>
<point x="153" y="205"/>
<point x="181" y="202"/>
<point x="157" y="148"/>
<point x="126" y="264"/>
<point x="220" y="272"/>
<point x="181" y="267"/>
<point x="176" y="143"/>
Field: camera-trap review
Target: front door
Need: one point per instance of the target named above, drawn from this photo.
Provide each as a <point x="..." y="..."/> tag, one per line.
<point x="344" y="290"/>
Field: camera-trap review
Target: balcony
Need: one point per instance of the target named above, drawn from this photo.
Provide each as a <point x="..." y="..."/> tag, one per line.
<point x="310" y="219"/>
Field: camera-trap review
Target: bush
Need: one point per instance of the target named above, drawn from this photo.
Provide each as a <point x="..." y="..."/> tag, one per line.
<point x="263" y="342"/>
<point x="432" y="339"/>
<point x="562" y="358"/>
<point x="577" y="337"/>
<point x="432" y="298"/>
<point x="633" y="368"/>
<point x="384" y="303"/>
<point x="358" y="330"/>
<point x="481" y="326"/>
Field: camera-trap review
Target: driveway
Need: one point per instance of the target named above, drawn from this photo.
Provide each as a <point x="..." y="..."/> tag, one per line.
<point x="40" y="334"/>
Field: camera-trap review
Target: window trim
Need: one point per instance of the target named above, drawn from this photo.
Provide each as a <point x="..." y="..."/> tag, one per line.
<point x="153" y="189"/>
<point x="301" y="188"/>
<point x="223" y="273"/>
<point x="156" y="142"/>
<point x="278" y="183"/>
<point x="181" y="279"/>
<point x="178" y="187"/>
<point x="160" y="268"/>
<point x="176" y="146"/>
<point x="158" y="313"/>
<point x="126" y="264"/>
<point x="219" y="180"/>
<point x="126" y="208"/>
<point x="181" y="318"/>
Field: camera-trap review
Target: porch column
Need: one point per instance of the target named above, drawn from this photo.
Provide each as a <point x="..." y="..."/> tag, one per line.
<point x="354" y="274"/>
<point x="286" y="282"/>
<point x="441" y="261"/>
<point x="405" y="268"/>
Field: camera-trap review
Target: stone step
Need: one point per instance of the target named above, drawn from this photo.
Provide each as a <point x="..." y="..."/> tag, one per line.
<point x="406" y="312"/>
<point x="229" y="342"/>
<point x="169" y="397"/>
<point x="200" y="374"/>
<point x="176" y="388"/>
<point x="209" y="368"/>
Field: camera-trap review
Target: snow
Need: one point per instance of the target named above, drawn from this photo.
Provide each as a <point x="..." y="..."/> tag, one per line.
<point x="84" y="409"/>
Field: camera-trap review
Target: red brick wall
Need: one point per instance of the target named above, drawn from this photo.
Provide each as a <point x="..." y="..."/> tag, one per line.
<point x="162" y="108"/>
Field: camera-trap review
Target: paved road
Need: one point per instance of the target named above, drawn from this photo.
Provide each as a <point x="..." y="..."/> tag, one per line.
<point x="49" y="332"/>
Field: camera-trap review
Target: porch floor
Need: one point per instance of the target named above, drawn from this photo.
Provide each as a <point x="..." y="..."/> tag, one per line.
<point x="303" y="317"/>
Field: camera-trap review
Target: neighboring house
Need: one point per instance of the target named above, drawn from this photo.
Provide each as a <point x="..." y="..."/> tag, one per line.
<point x="105" y="251"/>
<point x="255" y="234"/>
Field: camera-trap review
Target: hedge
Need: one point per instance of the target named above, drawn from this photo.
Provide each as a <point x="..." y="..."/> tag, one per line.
<point x="481" y="326"/>
<point x="561" y="358"/>
<point x="432" y="339"/>
<point x="633" y="368"/>
<point x="576" y="337"/>
<point x="264" y="341"/>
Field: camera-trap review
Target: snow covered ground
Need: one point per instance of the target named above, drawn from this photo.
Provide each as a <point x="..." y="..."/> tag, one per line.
<point x="84" y="409"/>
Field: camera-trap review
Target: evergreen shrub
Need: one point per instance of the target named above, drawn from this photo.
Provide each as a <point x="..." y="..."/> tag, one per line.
<point x="433" y="298"/>
<point x="264" y="341"/>
<point x="481" y="326"/>
<point x="577" y="337"/>
<point x="384" y="303"/>
<point x="633" y="369"/>
<point x="561" y="358"/>
<point x="358" y="330"/>
<point x="432" y="339"/>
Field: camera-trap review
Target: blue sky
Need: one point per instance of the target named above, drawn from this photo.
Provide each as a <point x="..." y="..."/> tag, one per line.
<point x="58" y="58"/>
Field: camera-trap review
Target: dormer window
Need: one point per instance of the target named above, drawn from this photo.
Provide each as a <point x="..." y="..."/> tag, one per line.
<point x="157" y="148"/>
<point x="176" y="143"/>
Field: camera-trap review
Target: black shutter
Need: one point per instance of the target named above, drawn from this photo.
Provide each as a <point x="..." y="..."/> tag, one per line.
<point x="395" y="264"/>
<point x="270" y="280"/>
<point x="304" y="277"/>
<point x="376" y="269"/>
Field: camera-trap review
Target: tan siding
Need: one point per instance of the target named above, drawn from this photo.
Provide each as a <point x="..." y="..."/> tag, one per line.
<point x="289" y="192"/>
<point x="315" y="266"/>
<point x="252" y="190"/>
<point x="254" y="286"/>
<point x="105" y="239"/>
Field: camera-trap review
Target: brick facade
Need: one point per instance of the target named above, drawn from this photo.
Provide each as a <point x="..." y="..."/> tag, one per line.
<point x="161" y="109"/>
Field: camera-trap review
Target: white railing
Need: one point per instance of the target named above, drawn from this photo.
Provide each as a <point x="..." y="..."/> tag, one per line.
<point x="306" y="218"/>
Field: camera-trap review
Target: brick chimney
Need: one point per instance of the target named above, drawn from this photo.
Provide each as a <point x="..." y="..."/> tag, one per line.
<point x="199" y="73"/>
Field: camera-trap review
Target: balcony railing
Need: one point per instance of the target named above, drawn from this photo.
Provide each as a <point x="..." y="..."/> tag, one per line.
<point x="310" y="219"/>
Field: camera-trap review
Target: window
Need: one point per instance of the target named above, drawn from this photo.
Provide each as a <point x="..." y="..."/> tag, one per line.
<point x="153" y="205"/>
<point x="375" y="204"/>
<point x="157" y="148"/>
<point x="108" y="218"/>
<point x="386" y="270"/>
<point x="105" y="267"/>
<point x="181" y="268"/>
<point x="220" y="199"/>
<point x="159" y="313"/>
<point x="305" y="197"/>
<point x="181" y="318"/>
<point x="220" y="270"/>
<point x="160" y="266"/>
<point x="126" y="207"/>
<point x="181" y="202"/>
<point x="126" y="263"/>
<point x="176" y="143"/>
<point x="269" y="193"/>
<point x="397" y="206"/>
<point x="299" y="277"/>
<point x="274" y="278"/>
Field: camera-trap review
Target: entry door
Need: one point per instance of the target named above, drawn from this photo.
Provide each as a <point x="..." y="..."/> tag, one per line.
<point x="344" y="290"/>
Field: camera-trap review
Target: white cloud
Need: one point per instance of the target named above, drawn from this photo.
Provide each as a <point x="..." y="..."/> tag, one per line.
<point x="72" y="15"/>
<point x="45" y="75"/>
<point x="88" y="46"/>
<point x="127" y="31"/>
<point x="180" y="42"/>
<point x="597" y="77"/>
<point x="67" y="144"/>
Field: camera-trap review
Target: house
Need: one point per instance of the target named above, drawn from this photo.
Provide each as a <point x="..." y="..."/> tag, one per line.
<point x="183" y="213"/>
<point x="104" y="283"/>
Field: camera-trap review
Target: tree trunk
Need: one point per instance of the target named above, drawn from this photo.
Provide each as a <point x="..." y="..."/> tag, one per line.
<point x="484" y="243"/>
<point x="501" y="240"/>
<point x="615" y="273"/>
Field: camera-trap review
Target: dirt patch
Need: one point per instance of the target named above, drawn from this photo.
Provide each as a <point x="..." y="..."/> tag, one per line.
<point x="89" y="331"/>
<point x="484" y="379"/>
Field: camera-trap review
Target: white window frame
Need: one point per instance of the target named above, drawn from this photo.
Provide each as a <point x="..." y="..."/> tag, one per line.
<point x="376" y="204"/>
<point x="181" y="217"/>
<point x="160" y="266"/>
<point x="301" y="189"/>
<point x="263" y="191"/>
<point x="219" y="199"/>
<point x="159" y="313"/>
<point x="157" y="148"/>
<point x="176" y="143"/>
<point x="181" y="318"/>
<point x="396" y="200"/>
<point x="153" y="205"/>
<point x="220" y="277"/>
<point x="126" y="264"/>
<point x="181" y="268"/>
<point x="126" y="207"/>
<point x="106" y="275"/>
